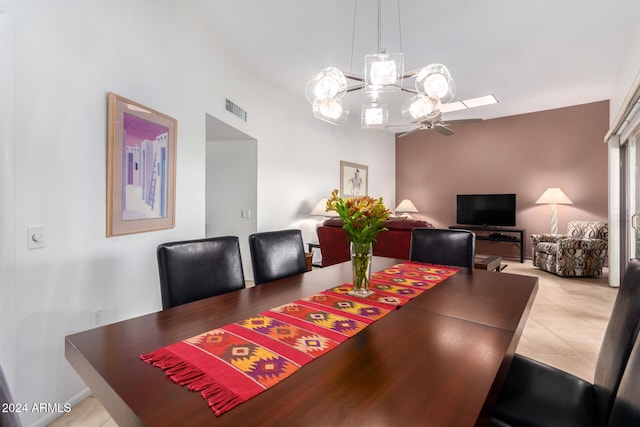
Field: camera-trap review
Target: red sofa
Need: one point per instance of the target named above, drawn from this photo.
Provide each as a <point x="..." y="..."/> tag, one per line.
<point x="393" y="243"/>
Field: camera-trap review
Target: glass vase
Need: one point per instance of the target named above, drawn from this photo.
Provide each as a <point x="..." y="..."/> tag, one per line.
<point x="361" y="265"/>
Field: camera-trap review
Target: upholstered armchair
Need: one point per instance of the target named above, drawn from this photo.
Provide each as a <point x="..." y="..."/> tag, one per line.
<point x="580" y="252"/>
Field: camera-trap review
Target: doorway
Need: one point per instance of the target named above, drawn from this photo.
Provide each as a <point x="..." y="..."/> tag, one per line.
<point x="231" y="186"/>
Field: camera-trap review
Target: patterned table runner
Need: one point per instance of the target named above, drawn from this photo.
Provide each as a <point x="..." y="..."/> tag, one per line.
<point x="232" y="364"/>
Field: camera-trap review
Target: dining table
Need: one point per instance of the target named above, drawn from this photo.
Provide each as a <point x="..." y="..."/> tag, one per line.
<point x="438" y="360"/>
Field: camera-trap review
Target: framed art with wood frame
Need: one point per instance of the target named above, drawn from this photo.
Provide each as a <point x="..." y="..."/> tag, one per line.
<point x="141" y="168"/>
<point x="354" y="179"/>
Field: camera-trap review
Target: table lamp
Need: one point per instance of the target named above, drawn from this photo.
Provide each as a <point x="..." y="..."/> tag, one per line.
<point x="405" y="207"/>
<point x="320" y="209"/>
<point x="554" y="196"/>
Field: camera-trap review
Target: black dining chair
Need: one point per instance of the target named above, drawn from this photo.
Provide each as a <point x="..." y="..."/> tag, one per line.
<point x="276" y="254"/>
<point x="195" y="269"/>
<point x="626" y="406"/>
<point x="443" y="246"/>
<point x="8" y="416"/>
<point x="535" y="394"/>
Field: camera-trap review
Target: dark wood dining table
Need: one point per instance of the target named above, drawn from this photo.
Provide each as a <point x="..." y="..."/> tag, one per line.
<point x="439" y="360"/>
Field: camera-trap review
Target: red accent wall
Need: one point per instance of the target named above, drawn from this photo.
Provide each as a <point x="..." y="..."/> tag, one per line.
<point x="523" y="154"/>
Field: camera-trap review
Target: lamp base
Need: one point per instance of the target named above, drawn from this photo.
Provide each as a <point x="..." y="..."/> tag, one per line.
<point x="554" y="218"/>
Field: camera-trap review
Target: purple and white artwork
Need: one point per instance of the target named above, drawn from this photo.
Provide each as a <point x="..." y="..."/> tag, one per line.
<point x="144" y="171"/>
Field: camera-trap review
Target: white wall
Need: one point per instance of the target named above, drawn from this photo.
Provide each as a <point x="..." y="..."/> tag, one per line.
<point x="301" y="165"/>
<point x="7" y="196"/>
<point x="62" y="56"/>
<point x="232" y="186"/>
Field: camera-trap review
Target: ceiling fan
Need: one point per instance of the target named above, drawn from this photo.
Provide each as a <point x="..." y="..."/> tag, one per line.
<point x="435" y="123"/>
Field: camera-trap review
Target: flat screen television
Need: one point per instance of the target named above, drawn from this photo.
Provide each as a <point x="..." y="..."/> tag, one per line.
<point x="486" y="209"/>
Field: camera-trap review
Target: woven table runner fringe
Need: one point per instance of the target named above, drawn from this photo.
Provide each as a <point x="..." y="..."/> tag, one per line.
<point x="220" y="398"/>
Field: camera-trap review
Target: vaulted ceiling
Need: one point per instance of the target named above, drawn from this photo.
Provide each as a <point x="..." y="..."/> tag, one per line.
<point x="532" y="55"/>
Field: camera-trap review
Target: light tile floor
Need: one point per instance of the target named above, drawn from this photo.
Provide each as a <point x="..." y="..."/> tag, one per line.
<point x="565" y="329"/>
<point x="567" y="320"/>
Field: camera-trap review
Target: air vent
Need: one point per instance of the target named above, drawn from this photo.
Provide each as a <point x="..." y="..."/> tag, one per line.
<point x="235" y="110"/>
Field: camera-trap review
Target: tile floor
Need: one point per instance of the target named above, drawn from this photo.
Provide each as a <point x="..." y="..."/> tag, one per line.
<point x="565" y="329"/>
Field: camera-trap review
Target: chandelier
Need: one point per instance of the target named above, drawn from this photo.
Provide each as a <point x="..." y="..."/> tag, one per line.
<point x="384" y="72"/>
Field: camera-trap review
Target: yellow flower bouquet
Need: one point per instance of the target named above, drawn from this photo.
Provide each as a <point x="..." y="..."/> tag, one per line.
<point x="362" y="219"/>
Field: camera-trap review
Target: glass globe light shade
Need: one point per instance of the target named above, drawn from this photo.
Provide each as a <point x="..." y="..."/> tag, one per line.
<point x="433" y="81"/>
<point x="374" y="116"/>
<point x="450" y="93"/>
<point x="383" y="72"/>
<point x="329" y="83"/>
<point x="330" y="110"/>
<point x="419" y="108"/>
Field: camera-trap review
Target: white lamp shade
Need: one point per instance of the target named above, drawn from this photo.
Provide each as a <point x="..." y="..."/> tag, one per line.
<point x="320" y="209"/>
<point x="554" y="195"/>
<point x="406" y="206"/>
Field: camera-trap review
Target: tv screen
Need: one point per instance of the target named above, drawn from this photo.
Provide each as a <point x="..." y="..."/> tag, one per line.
<point x="486" y="209"/>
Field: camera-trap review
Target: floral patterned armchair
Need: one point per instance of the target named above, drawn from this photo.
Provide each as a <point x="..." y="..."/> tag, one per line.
<point x="580" y="252"/>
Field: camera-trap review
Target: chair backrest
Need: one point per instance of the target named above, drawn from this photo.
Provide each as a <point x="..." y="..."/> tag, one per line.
<point x="276" y="254"/>
<point x="626" y="406"/>
<point x="443" y="246"/>
<point x="588" y="229"/>
<point x="618" y="339"/>
<point x="334" y="245"/>
<point x="195" y="269"/>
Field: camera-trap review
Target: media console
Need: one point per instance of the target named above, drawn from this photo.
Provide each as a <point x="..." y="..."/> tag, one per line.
<point x="497" y="234"/>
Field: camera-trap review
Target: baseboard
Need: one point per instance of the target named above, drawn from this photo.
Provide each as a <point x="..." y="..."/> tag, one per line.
<point x="48" y="418"/>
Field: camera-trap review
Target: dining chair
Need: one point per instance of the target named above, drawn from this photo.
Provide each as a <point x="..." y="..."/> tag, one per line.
<point x="8" y="416"/>
<point x="626" y="406"/>
<point x="535" y="394"/>
<point x="443" y="246"/>
<point x="195" y="269"/>
<point x="276" y="254"/>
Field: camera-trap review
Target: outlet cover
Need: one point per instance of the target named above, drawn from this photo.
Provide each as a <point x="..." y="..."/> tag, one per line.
<point x="96" y="317"/>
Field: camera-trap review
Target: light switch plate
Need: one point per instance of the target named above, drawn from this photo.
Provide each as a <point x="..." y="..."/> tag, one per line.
<point x="35" y="237"/>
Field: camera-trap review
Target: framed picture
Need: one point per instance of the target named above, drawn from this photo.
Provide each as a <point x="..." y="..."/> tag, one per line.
<point x="141" y="168"/>
<point x="353" y="179"/>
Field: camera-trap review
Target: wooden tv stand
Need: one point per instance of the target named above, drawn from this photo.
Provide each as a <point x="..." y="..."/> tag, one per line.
<point x="497" y="234"/>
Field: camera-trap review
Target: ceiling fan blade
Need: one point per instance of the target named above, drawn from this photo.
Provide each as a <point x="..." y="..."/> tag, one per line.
<point x="409" y="132"/>
<point x="443" y="130"/>
<point x="451" y="122"/>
